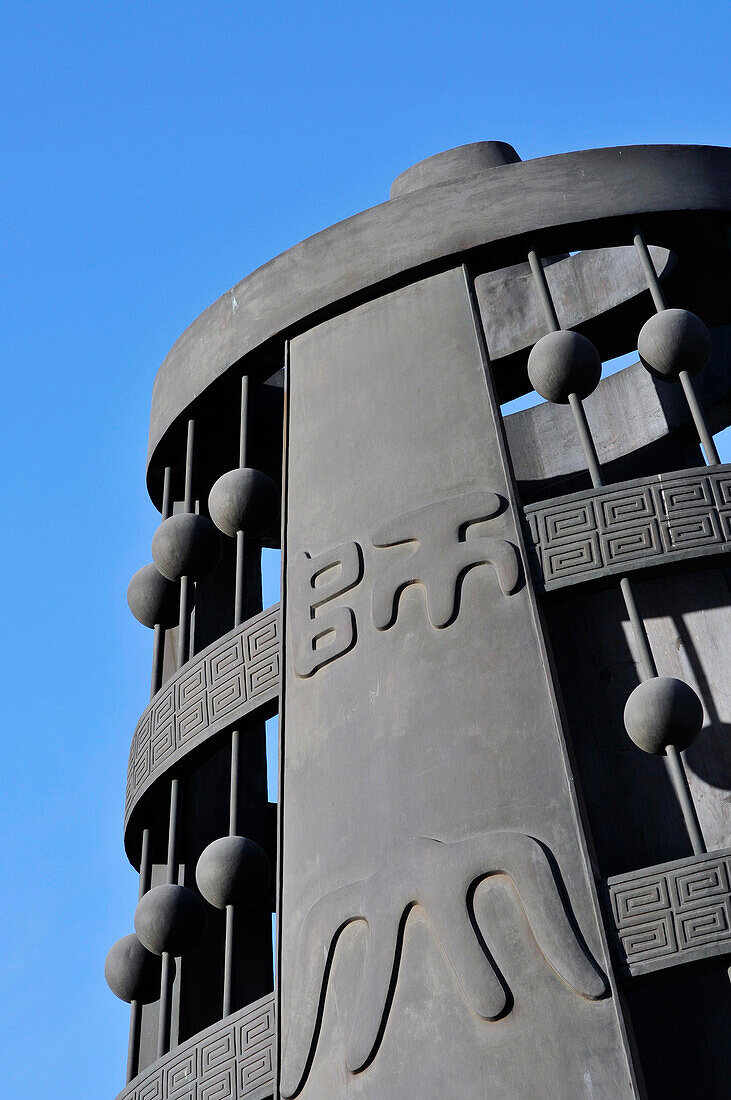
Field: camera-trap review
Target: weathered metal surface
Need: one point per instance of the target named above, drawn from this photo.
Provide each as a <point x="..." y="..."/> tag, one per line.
<point x="426" y="800"/>
<point x="582" y="287"/>
<point x="426" y="227"/>
<point x="231" y="1060"/>
<point x="674" y="913"/>
<point x="233" y="678"/>
<point x="668" y="519"/>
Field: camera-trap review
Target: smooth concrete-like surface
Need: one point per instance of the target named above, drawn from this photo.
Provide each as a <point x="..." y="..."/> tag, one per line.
<point x="426" y="227"/>
<point x="422" y="753"/>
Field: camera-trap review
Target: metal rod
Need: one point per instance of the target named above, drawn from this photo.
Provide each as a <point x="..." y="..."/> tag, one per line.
<point x="145" y="863"/>
<point x="539" y="276"/>
<point x="244" y="423"/>
<point x="673" y="760"/>
<point x="133" y="1049"/>
<point x="240" y="591"/>
<point x="648" y="267"/>
<point x="679" y="779"/>
<point x="183" y="623"/>
<point x="647" y="661"/>
<point x="184" y="617"/>
<point x="167" y="493"/>
<point x="582" y="424"/>
<point x="167" y="975"/>
<point x="158" y="658"/>
<point x="189" y="445"/>
<point x="228" y="962"/>
<point x="135" y="1016"/>
<point x="233" y="804"/>
<point x="587" y="441"/>
<point x="699" y="419"/>
<point x="173" y="829"/>
<point x="158" y="644"/>
<point x="166" y="1004"/>
<point x="696" y="410"/>
<point x="239" y="615"/>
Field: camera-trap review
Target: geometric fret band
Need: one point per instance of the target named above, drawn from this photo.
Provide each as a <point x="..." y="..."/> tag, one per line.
<point x="234" y="677"/>
<point x="652" y="521"/>
<point x="674" y="913"/>
<point x="231" y="1060"/>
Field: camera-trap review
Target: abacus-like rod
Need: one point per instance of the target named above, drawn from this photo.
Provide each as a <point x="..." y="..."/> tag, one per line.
<point x="587" y="440"/>
<point x="158" y="645"/>
<point x="699" y="419"/>
<point x="184" y="618"/>
<point x="167" y="976"/>
<point x="228" y="962"/>
<point x="233" y="802"/>
<point x="673" y="760"/>
<point x="135" y="1016"/>
<point x="696" y="411"/>
<point x="577" y="407"/>
<point x="240" y="592"/>
<point x="647" y="661"/>
<point x="166" y="1004"/>
<point x="539" y="277"/>
<point x="679" y="778"/>
<point x="173" y="830"/>
<point x="133" y="1048"/>
<point x="648" y="267"/>
<point x="239" y="614"/>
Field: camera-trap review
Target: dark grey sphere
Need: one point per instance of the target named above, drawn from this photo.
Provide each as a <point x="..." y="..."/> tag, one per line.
<point x="672" y="341"/>
<point x="661" y="712"/>
<point x="152" y="598"/>
<point x="562" y="363"/>
<point x="244" y="500"/>
<point x="186" y="545"/>
<point x="233" y="871"/>
<point x="170" y="918"/>
<point x="132" y="972"/>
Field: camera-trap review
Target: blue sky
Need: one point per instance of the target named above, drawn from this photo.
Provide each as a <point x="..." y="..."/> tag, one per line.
<point x="153" y="155"/>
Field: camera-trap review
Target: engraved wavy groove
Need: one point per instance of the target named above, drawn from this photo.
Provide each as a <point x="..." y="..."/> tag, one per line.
<point x="232" y="678"/>
<point x="645" y="523"/>
<point x="439" y="877"/>
<point x="231" y="1060"/>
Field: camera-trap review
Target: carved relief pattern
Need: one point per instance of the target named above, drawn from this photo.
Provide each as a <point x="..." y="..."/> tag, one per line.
<point x="438" y="544"/>
<point x="232" y="1060"/>
<point x="233" y="677"/>
<point x="636" y="524"/>
<point x="438" y="876"/>
<point x="673" y="913"/>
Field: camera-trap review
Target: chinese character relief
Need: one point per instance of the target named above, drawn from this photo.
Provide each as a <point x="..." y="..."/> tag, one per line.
<point x="442" y="541"/>
<point x="441" y="878"/>
<point x="337" y="571"/>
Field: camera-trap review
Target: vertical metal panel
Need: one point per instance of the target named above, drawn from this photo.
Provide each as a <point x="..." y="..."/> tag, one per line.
<point x="421" y="751"/>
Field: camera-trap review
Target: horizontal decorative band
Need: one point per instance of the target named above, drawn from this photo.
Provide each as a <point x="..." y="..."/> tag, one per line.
<point x="674" y="913"/>
<point x="231" y="1060"/>
<point x="653" y="521"/>
<point x="232" y="678"/>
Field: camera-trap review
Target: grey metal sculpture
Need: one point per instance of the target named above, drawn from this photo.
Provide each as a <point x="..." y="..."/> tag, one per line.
<point x="482" y="886"/>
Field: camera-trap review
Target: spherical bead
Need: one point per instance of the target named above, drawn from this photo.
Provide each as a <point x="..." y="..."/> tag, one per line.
<point x="661" y="712"/>
<point x="152" y="598"/>
<point x="186" y="545"/>
<point x="673" y="341"/>
<point x="170" y="918"/>
<point x="562" y="363"/>
<point x="233" y="871"/>
<point x="244" y="500"/>
<point x="132" y="972"/>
